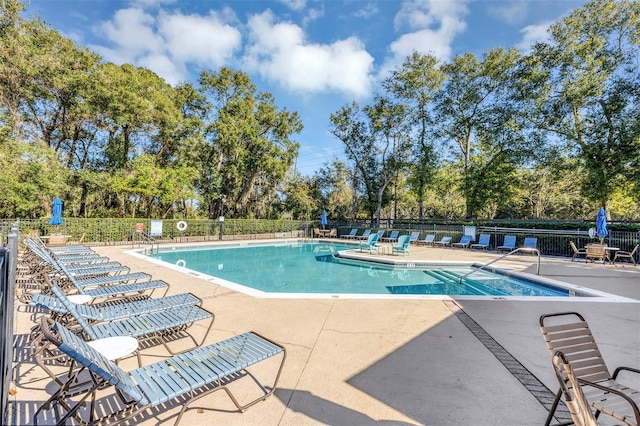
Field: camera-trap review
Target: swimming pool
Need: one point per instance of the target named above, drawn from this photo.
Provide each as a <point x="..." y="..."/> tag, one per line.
<point x="315" y="268"/>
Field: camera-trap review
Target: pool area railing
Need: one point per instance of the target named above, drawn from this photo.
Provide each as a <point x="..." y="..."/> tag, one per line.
<point x="518" y="250"/>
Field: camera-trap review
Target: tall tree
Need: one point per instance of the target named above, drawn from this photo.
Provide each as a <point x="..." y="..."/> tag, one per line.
<point x="584" y="89"/>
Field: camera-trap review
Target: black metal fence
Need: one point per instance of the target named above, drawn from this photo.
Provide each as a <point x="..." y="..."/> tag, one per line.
<point x="8" y="264"/>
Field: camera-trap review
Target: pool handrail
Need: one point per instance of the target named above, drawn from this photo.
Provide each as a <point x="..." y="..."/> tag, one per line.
<point x="524" y="249"/>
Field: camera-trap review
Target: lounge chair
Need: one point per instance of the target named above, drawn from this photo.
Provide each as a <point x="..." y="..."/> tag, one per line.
<point x="371" y="244"/>
<point x="427" y="240"/>
<point x="509" y="243"/>
<point x="483" y="242"/>
<point x="569" y="333"/>
<point x="444" y="241"/>
<point x="596" y="252"/>
<point x="381" y="233"/>
<point x="621" y="254"/>
<point x="464" y="242"/>
<point x="351" y="234"/>
<point x="413" y="238"/>
<point x="402" y="246"/>
<point x="162" y="326"/>
<point x="574" y="398"/>
<point x="114" y="311"/>
<point x="576" y="251"/>
<point x="365" y="234"/>
<point x="179" y="380"/>
<point x="530" y="245"/>
<point x="392" y="238"/>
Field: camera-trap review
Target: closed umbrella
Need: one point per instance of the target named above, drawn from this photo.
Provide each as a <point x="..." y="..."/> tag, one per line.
<point x="56" y="216"/>
<point x="601" y="224"/>
<point x="323" y="219"/>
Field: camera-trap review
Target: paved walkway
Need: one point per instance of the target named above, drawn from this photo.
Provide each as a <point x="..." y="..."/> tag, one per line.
<point x="396" y="362"/>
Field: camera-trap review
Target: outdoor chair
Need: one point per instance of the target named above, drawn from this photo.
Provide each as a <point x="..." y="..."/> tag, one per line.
<point x="464" y="242"/>
<point x="402" y="246"/>
<point x="392" y="238"/>
<point x="483" y="242"/>
<point x="365" y="235"/>
<point x="316" y="232"/>
<point x="444" y="241"/>
<point x="113" y="311"/>
<point x="413" y="238"/>
<point x="176" y="381"/>
<point x="530" y="245"/>
<point x="427" y="240"/>
<point x="333" y="233"/>
<point x="381" y="233"/>
<point x="576" y="251"/>
<point x="509" y="243"/>
<point x="162" y="326"/>
<point x="371" y="244"/>
<point x="569" y="333"/>
<point x="596" y="252"/>
<point x="574" y="398"/>
<point x="351" y="234"/>
<point x="620" y="254"/>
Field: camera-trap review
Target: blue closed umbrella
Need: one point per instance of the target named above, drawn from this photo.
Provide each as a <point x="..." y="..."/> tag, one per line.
<point x="323" y="219"/>
<point x="56" y="216"/>
<point x="601" y="224"/>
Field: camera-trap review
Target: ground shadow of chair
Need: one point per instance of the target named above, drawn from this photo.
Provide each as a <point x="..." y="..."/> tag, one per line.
<point x="576" y="251"/>
<point x="464" y="242"/>
<point x="182" y="379"/>
<point x="483" y="242"/>
<point x="509" y="243"/>
<point x="402" y="246"/>
<point x="621" y="254"/>
<point x="569" y="333"/>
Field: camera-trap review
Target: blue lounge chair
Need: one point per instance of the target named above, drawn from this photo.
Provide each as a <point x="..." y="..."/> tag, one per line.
<point x="365" y="234"/>
<point x="427" y="240"/>
<point x="402" y="246"/>
<point x="351" y="234"/>
<point x="371" y="244"/>
<point x="182" y="378"/>
<point x="483" y="242"/>
<point x="444" y="242"/>
<point x="464" y="242"/>
<point x="381" y="233"/>
<point x="509" y="243"/>
<point x="392" y="238"/>
<point x="413" y="238"/>
<point x="162" y="326"/>
<point x="114" y="311"/>
<point x="530" y="245"/>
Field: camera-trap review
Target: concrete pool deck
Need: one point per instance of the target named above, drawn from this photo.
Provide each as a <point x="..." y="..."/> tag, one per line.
<point x="400" y="362"/>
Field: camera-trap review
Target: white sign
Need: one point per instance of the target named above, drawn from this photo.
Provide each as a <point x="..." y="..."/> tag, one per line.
<point x="470" y="230"/>
<point x="156" y="228"/>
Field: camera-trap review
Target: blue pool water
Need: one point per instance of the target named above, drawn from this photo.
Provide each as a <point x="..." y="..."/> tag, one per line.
<point x="311" y="268"/>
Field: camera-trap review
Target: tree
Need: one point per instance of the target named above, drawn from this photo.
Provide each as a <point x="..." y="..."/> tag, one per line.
<point x="417" y="83"/>
<point x="377" y="142"/>
<point x="584" y="89"/>
<point x="479" y="118"/>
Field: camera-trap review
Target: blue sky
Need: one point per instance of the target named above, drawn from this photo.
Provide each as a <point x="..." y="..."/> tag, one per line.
<point x="313" y="56"/>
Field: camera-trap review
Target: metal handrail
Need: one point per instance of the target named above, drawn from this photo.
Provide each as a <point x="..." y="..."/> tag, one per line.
<point x="149" y="239"/>
<point x="519" y="249"/>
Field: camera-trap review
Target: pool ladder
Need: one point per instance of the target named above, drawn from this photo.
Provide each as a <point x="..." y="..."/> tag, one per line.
<point x="519" y="249"/>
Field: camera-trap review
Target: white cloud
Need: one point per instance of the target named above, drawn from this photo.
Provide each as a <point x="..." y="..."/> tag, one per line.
<point x="433" y="26"/>
<point x="149" y="4"/>
<point x="312" y="15"/>
<point x="367" y="11"/>
<point x="205" y="40"/>
<point x="511" y="12"/>
<point x="532" y="34"/>
<point x="294" y="4"/>
<point x="279" y="52"/>
<point x="167" y="43"/>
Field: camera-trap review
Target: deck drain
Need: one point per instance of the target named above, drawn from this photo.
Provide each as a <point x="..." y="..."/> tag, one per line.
<point x="524" y="376"/>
